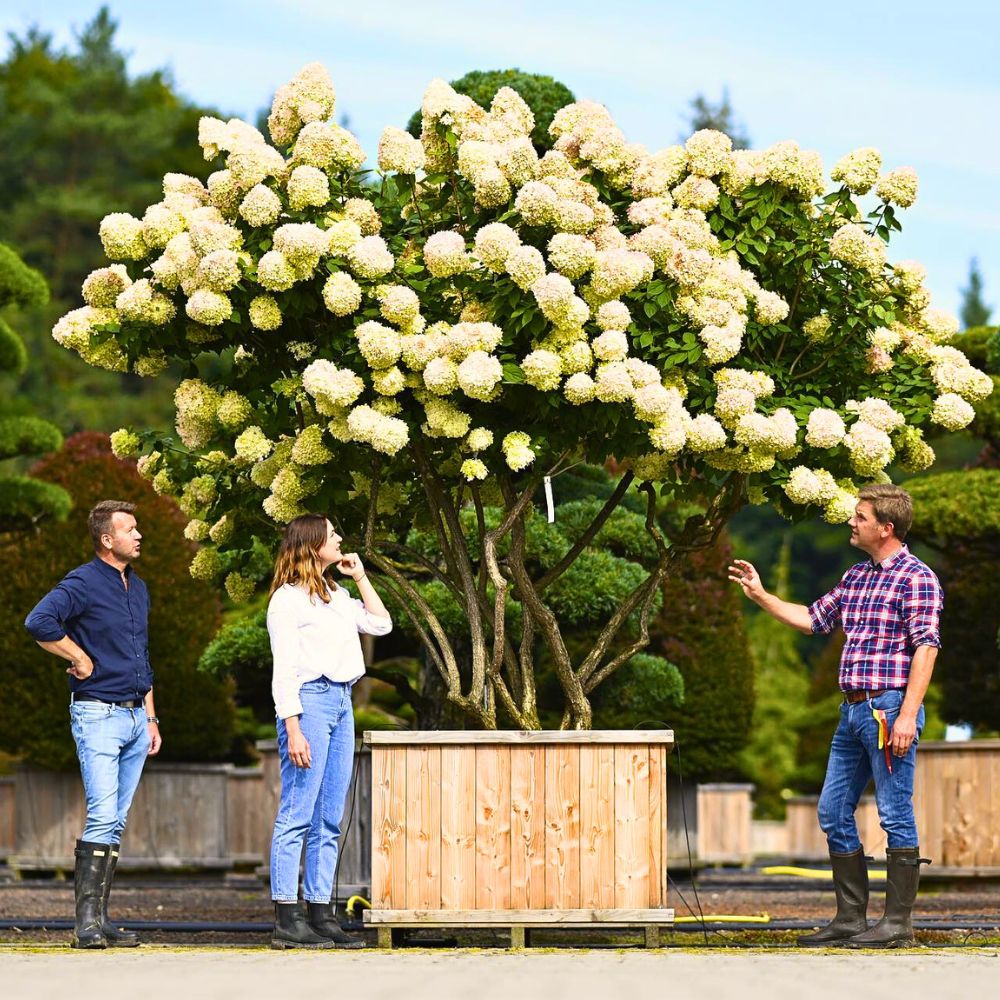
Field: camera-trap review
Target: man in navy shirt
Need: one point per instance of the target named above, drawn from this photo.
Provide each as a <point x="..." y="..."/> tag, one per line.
<point x="96" y="617"/>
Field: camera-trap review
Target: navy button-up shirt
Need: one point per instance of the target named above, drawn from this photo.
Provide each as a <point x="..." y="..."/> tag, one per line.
<point x="107" y="621"/>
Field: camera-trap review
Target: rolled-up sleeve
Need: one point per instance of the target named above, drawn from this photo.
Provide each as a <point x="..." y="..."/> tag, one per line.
<point x="824" y="613"/>
<point x="283" y="630"/>
<point x="46" y="620"/>
<point x="368" y="623"/>
<point x="921" y="610"/>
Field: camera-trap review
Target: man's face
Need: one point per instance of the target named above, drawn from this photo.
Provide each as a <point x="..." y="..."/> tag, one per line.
<point x="866" y="532"/>
<point x="123" y="540"/>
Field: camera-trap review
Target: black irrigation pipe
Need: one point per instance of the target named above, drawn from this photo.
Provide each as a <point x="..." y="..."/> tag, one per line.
<point x="980" y="923"/>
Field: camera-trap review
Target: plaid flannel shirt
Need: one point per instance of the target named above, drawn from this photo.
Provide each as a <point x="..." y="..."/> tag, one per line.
<point x="886" y="610"/>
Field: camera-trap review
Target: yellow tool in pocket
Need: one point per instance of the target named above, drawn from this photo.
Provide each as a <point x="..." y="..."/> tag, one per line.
<point x="883" y="735"/>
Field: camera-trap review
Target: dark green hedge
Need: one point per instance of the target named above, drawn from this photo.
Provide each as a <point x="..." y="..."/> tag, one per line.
<point x="700" y="629"/>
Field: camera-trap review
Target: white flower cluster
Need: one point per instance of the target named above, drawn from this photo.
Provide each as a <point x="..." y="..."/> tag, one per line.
<point x="572" y="270"/>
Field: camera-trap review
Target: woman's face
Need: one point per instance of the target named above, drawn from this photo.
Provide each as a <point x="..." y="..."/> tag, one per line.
<point x="329" y="552"/>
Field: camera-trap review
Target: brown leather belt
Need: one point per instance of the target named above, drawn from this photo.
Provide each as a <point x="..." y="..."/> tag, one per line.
<point x="853" y="697"/>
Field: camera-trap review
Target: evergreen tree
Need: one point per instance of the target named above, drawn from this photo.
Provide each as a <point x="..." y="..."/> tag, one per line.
<point x="974" y="311"/>
<point x="23" y="501"/>
<point x="704" y="114"/>
<point x="83" y="138"/>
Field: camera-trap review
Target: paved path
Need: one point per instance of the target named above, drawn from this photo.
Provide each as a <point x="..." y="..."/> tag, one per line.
<point x="154" y="972"/>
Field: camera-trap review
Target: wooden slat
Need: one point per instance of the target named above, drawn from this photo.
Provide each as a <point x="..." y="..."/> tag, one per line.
<point x="525" y="918"/>
<point x="597" y="826"/>
<point x="423" y="827"/>
<point x="631" y="827"/>
<point x="388" y="827"/>
<point x="562" y="827"/>
<point x="657" y="791"/>
<point x="458" y="827"/>
<point x="993" y="818"/>
<point x="492" y="827"/>
<point x="664" y="828"/>
<point x="527" y="827"/>
<point x="520" y="736"/>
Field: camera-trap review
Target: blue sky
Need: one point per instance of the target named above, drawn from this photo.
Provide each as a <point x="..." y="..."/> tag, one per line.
<point x="916" y="80"/>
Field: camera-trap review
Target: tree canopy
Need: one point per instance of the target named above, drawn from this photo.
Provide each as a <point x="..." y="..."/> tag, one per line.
<point x="414" y="351"/>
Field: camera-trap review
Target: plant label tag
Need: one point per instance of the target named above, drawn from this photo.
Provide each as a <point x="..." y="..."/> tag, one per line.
<point x="549" y="502"/>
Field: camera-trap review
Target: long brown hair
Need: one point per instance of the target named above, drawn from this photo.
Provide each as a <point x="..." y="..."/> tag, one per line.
<point x="298" y="560"/>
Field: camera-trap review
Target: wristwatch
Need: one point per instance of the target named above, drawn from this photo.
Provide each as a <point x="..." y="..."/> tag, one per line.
<point x="153" y="718"/>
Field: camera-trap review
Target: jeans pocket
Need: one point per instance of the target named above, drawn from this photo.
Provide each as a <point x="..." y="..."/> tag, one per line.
<point x="89" y="711"/>
<point x="890" y="702"/>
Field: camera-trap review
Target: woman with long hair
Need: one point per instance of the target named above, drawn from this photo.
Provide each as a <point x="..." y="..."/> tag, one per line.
<point x="313" y="624"/>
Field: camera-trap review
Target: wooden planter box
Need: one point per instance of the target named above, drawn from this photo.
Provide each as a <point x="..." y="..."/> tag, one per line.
<point x="519" y="829"/>
<point x="724" y="815"/>
<point x="178" y="818"/>
<point x="957" y="802"/>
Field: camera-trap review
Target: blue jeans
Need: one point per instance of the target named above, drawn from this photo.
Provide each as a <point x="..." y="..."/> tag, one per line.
<point x="112" y="744"/>
<point x="855" y="758"/>
<point x="312" y="798"/>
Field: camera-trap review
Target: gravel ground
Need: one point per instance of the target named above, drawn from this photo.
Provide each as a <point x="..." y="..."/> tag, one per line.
<point x="244" y="899"/>
<point x="206" y="974"/>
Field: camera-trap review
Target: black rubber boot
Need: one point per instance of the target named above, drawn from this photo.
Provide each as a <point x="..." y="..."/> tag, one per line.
<point x="292" y="931"/>
<point x="88" y="885"/>
<point x="117" y="937"/>
<point x="324" y="922"/>
<point x="902" y="878"/>
<point x="850" y="883"/>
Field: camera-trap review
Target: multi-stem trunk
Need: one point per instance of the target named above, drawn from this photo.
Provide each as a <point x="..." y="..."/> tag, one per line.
<point x="494" y="673"/>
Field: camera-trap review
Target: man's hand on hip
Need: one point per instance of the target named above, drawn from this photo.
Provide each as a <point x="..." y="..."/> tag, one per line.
<point x="81" y="667"/>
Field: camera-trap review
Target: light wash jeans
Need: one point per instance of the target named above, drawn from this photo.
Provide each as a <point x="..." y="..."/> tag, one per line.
<point x="112" y="744"/>
<point x="855" y="758"/>
<point x="312" y="798"/>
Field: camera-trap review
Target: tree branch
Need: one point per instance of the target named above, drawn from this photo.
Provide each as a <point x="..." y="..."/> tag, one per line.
<point x="588" y="536"/>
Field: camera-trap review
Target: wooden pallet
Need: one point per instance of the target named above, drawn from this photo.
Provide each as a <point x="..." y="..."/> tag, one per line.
<point x="520" y="922"/>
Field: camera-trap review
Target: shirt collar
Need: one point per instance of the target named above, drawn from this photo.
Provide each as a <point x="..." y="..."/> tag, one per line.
<point x="109" y="569"/>
<point x="888" y="561"/>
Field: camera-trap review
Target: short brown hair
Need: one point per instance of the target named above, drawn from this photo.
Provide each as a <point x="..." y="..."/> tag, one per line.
<point x="100" y="517"/>
<point x="892" y="505"/>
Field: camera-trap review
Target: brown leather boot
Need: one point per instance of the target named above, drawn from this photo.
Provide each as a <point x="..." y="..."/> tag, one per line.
<point x="895" y="929"/>
<point x="850" y="884"/>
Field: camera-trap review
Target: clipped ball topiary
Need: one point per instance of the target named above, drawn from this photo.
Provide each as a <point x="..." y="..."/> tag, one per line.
<point x="543" y="94"/>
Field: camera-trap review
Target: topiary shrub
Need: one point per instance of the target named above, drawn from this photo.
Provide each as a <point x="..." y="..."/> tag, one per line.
<point x="701" y="629"/>
<point x="197" y="710"/>
<point x="24" y="502"/>
<point x="975" y="343"/>
<point x="544" y="95"/>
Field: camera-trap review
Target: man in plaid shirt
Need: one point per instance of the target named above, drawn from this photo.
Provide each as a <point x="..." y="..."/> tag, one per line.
<point x="889" y="607"/>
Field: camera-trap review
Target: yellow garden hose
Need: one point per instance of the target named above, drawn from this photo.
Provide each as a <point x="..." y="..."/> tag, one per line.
<point x="820" y="873"/>
<point x="356" y="902"/>
<point x="729" y="918"/>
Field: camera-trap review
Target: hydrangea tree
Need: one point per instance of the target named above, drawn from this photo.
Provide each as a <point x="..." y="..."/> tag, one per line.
<point x="440" y="335"/>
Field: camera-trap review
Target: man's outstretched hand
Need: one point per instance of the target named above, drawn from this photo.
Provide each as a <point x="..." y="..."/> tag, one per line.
<point x="747" y="577"/>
